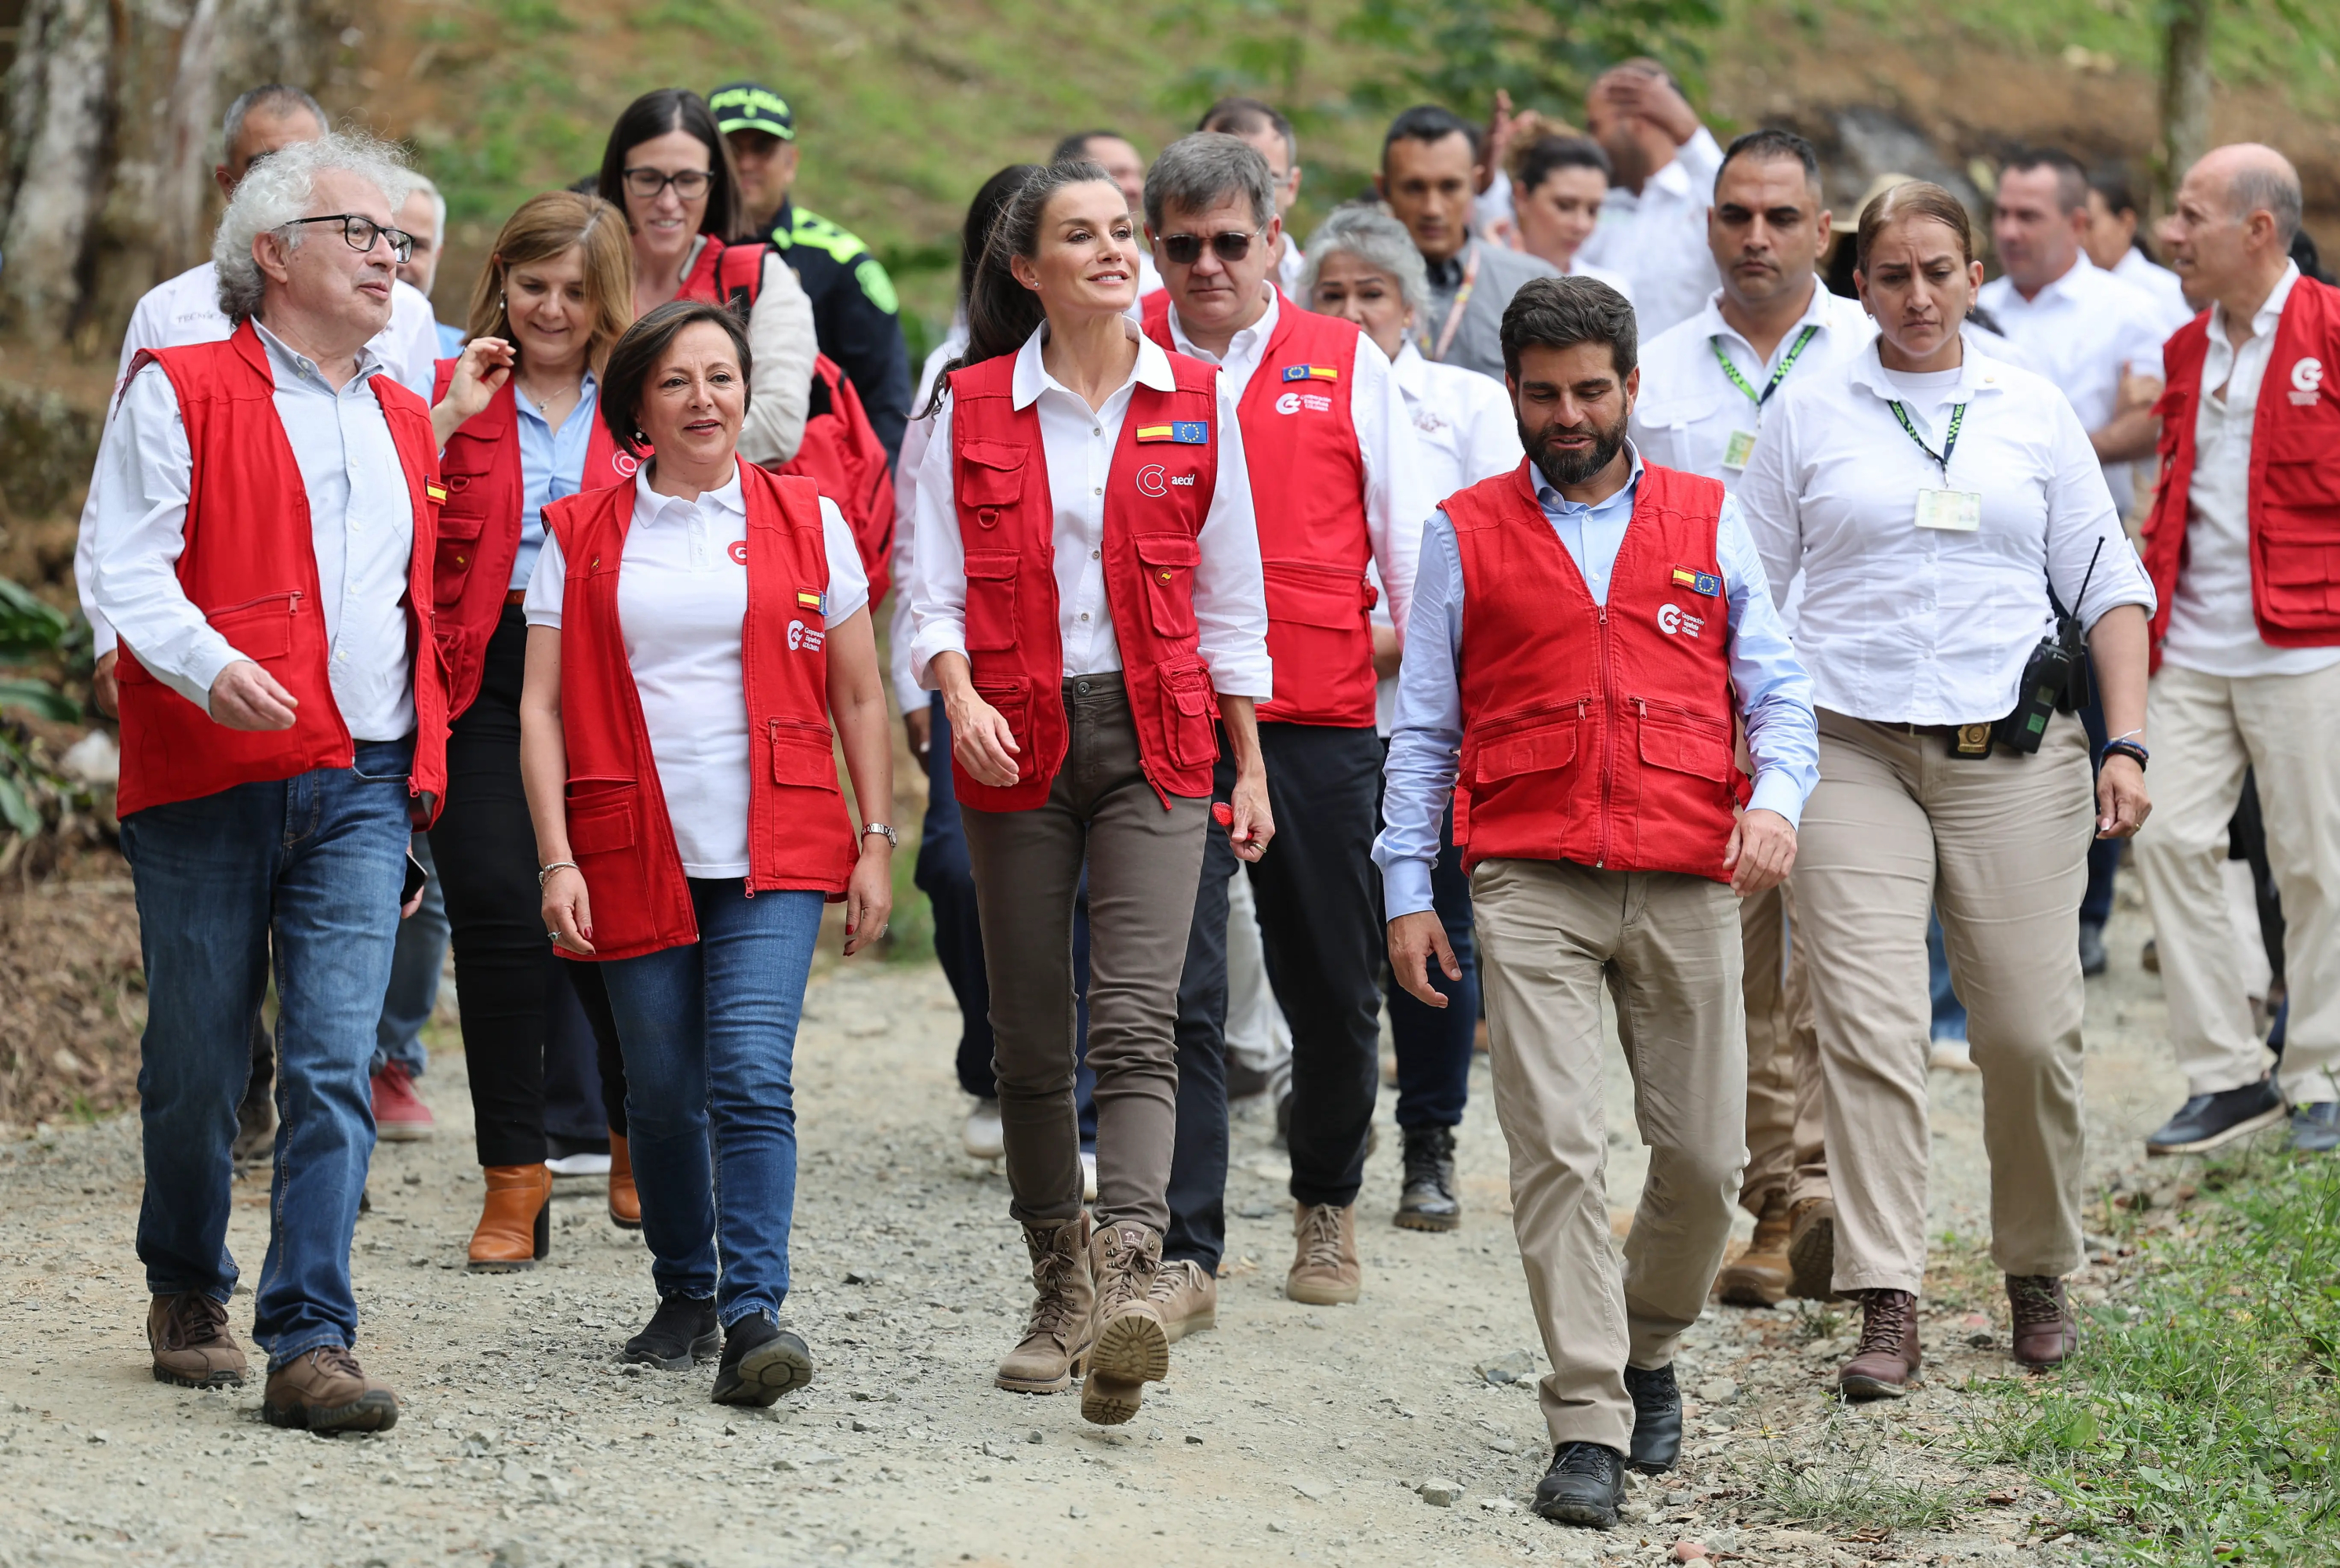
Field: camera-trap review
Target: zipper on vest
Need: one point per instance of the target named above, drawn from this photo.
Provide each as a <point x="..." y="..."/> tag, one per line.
<point x="1607" y="740"/>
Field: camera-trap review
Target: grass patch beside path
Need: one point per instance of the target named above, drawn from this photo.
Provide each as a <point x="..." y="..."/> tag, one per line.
<point x="2202" y="1424"/>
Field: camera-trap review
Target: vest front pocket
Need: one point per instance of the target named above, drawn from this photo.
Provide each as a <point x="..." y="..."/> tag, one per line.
<point x="1014" y="704"/>
<point x="804" y="754"/>
<point x="604" y="840"/>
<point x="2302" y="569"/>
<point x="991" y="576"/>
<point x="1187" y="715"/>
<point x="1543" y="746"/>
<point x="1317" y="633"/>
<point x="458" y="544"/>
<point x="1169" y="561"/>
<point x="260" y="630"/>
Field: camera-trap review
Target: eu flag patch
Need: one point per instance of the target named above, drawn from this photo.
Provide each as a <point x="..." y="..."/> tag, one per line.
<point x="1312" y="373"/>
<point x="1697" y="582"/>
<point x="1185" y="432"/>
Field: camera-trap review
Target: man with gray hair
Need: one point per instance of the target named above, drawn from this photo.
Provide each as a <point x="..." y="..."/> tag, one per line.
<point x="2243" y="545"/>
<point x="265" y="524"/>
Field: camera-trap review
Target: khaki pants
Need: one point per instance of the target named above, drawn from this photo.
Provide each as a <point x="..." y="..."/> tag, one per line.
<point x="2000" y="847"/>
<point x="1550" y="934"/>
<point x="1785" y="1151"/>
<point x="2205" y="730"/>
<point x="1143" y="865"/>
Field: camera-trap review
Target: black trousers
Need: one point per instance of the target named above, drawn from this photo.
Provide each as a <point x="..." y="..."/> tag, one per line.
<point x="1320" y="924"/>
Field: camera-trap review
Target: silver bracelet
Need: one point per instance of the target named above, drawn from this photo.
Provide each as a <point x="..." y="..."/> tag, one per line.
<point x="548" y="870"/>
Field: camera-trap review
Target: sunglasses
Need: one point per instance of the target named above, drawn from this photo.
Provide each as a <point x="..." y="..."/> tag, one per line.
<point x="1185" y="250"/>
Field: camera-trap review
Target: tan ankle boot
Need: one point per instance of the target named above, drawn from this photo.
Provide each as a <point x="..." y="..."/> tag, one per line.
<point x="516" y="1222"/>
<point x="1759" y="1276"/>
<point x="625" y="1202"/>
<point x="1324" y="1268"/>
<point x="1133" y="1350"/>
<point x="1055" y="1343"/>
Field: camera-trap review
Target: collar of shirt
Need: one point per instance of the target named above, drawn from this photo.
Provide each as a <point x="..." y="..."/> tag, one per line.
<point x="1410" y="371"/>
<point x="289" y="363"/>
<point x="652" y="507"/>
<point x="1446" y="275"/>
<point x="1244" y="349"/>
<point x="2270" y="312"/>
<point x="1817" y="312"/>
<point x="1977" y="375"/>
<point x="1559" y="508"/>
<point x="1032" y="378"/>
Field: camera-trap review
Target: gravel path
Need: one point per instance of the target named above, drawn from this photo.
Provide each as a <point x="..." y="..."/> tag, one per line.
<point x="1403" y="1430"/>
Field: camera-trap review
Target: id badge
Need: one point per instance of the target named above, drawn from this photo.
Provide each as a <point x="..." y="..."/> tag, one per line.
<point x="1955" y="511"/>
<point x="1738" y="450"/>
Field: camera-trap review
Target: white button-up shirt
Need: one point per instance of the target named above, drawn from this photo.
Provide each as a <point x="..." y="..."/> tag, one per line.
<point x="1657" y="238"/>
<point x="1079" y="444"/>
<point x="1689" y="409"/>
<point x="2158" y="283"/>
<point x="1396" y="498"/>
<point x="2211" y="627"/>
<point x="682" y="599"/>
<point x="361" y="525"/>
<point x="2083" y="332"/>
<point x="1905" y="625"/>
<point x="902" y="626"/>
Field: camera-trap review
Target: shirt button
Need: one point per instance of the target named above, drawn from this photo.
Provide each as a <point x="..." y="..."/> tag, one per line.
<point x="1084" y="614"/>
<point x="1098" y="491"/>
<point x="1096" y="555"/>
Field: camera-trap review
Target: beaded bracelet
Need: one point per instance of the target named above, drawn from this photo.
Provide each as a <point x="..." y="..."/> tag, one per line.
<point x="2128" y="748"/>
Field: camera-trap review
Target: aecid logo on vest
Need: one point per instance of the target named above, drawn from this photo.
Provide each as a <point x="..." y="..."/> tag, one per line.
<point x="1672" y="620"/>
<point x="1292" y="402"/>
<point x="2306" y="382"/>
<point x="1154" y="480"/>
<point x="808" y="639"/>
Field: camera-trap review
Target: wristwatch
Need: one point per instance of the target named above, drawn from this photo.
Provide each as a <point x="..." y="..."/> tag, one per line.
<point x="891" y="836"/>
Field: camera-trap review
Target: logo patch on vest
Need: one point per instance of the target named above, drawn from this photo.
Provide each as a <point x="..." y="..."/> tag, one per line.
<point x="1154" y="480"/>
<point x="1705" y="583"/>
<point x="1292" y="402"/>
<point x="808" y="639"/>
<point x="1185" y="432"/>
<point x="2306" y="382"/>
<point x="1673" y="619"/>
<point x="1312" y="373"/>
<point x="625" y="463"/>
<point x="739" y="552"/>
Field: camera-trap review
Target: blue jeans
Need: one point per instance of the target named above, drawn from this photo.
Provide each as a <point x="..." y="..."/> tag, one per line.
<point x="708" y="1032"/>
<point x="1434" y="1045"/>
<point x="313" y="863"/>
<point x="413" y="975"/>
<point x="1950" y="1013"/>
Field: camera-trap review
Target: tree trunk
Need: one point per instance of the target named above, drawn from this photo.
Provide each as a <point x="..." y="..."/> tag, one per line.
<point x="61" y="98"/>
<point x="2185" y="93"/>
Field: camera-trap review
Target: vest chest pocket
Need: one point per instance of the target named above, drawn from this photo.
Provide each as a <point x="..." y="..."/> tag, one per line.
<point x="1169" y="561"/>
<point x="991" y="600"/>
<point x="990" y="479"/>
<point x="461" y="520"/>
<point x="1187" y="715"/>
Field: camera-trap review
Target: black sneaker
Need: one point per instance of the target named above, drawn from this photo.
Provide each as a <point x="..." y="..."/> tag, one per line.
<point x="1585" y="1485"/>
<point x="1427" y="1201"/>
<point x="2093" y="960"/>
<point x="2315" y="1128"/>
<point x="2207" y="1120"/>
<point x="681" y="1331"/>
<point x="1656" y="1418"/>
<point x="761" y="1361"/>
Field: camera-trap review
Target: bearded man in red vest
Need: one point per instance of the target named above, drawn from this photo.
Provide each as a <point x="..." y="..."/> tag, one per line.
<point x="1335" y="489"/>
<point x="1588" y="631"/>
<point x="2244" y="549"/>
<point x="265" y="521"/>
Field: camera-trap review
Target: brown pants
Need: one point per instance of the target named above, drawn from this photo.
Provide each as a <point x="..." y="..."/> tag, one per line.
<point x="1143" y="865"/>
<point x="1551" y="935"/>
<point x="2000" y="847"/>
<point x="1785" y="1151"/>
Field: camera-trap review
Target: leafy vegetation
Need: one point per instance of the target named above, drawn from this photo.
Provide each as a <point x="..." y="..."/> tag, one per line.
<point x="30" y="632"/>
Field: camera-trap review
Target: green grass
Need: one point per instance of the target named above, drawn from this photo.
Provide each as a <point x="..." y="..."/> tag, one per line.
<point x="2202" y="1424"/>
<point x="1846" y="1482"/>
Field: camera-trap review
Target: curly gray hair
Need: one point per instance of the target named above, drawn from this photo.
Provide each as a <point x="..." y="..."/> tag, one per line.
<point x="1365" y="230"/>
<point x="278" y="191"/>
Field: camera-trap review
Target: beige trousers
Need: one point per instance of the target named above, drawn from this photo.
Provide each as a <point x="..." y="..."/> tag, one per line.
<point x="2205" y="730"/>
<point x="2000" y="847"/>
<point x="1551" y="935"/>
<point x="1786" y="1149"/>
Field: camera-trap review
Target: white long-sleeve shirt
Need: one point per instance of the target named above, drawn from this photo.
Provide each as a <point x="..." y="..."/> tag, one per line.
<point x="1657" y="237"/>
<point x="902" y="626"/>
<point x="1078" y="445"/>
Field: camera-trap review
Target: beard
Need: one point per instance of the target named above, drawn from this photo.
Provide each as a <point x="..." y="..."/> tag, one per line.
<point x="1571" y="468"/>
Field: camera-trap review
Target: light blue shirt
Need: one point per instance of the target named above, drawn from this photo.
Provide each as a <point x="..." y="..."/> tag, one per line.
<point x="1774" y="693"/>
<point x="552" y="465"/>
<point x="450" y="339"/>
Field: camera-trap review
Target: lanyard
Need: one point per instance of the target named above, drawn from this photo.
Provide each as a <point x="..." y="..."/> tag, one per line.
<point x="1778" y="375"/>
<point x="1454" y="311"/>
<point x="1949" y="441"/>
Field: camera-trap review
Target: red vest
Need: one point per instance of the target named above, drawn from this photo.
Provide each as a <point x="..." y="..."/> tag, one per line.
<point x="619" y="833"/>
<point x="2295" y="476"/>
<point x="1601" y="734"/>
<point x="1308" y="494"/>
<point x="479" y="528"/>
<point x="726" y="274"/>
<point x="250" y="565"/>
<point x="1158" y="493"/>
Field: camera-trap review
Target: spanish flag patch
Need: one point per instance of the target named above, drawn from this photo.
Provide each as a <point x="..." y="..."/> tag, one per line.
<point x="436" y="492"/>
<point x="1185" y="432"/>
<point x="1697" y="582"/>
<point x="809" y="601"/>
<point x="1312" y="373"/>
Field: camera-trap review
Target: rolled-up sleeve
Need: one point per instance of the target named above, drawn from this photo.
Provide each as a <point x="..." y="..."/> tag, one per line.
<point x="1230" y="591"/>
<point x="938" y="568"/>
<point x="1774" y="689"/>
<point x="1426" y="735"/>
<point x="779" y="378"/>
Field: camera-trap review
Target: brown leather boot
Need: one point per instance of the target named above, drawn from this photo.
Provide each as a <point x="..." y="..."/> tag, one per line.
<point x="1324" y="1268"/>
<point x="1812" y="1248"/>
<point x="1132" y="1348"/>
<point x="516" y="1223"/>
<point x="625" y="1203"/>
<point x="1885" y="1358"/>
<point x="2045" y="1330"/>
<point x="188" y="1337"/>
<point x="1186" y="1296"/>
<point x="1759" y="1276"/>
<point x="325" y="1390"/>
<point x="1055" y="1343"/>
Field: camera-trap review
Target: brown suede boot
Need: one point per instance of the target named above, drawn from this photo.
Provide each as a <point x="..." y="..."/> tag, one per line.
<point x="1055" y="1343"/>
<point x="1186" y="1296"/>
<point x="1812" y="1248"/>
<point x="188" y="1337"/>
<point x="2045" y="1330"/>
<point x="1759" y="1276"/>
<point x="325" y="1390"/>
<point x="1885" y="1358"/>
<point x="516" y="1222"/>
<point x="625" y="1203"/>
<point x="1324" y="1268"/>
<point x="1132" y="1347"/>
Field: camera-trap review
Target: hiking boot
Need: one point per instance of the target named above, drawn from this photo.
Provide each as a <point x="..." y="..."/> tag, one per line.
<point x="2045" y="1330"/>
<point x="1055" y="1343"/>
<point x="1812" y="1248"/>
<point x="682" y="1331"/>
<point x="1324" y="1268"/>
<point x="1759" y="1276"/>
<point x="1656" y="1418"/>
<point x="2315" y="1128"/>
<point x="981" y="1137"/>
<point x="2206" y="1120"/>
<point x="516" y="1221"/>
<point x="1585" y="1485"/>
<point x="325" y="1390"/>
<point x="761" y="1361"/>
<point x="1427" y="1201"/>
<point x="188" y="1337"/>
<point x="625" y="1202"/>
<point x="1132" y="1347"/>
<point x="1186" y="1296"/>
<point x="399" y="1114"/>
<point x="1886" y="1357"/>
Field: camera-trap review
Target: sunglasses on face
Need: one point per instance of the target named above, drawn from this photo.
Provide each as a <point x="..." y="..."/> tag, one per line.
<point x="1185" y="250"/>
<point x="690" y="184"/>
<point x="362" y="233"/>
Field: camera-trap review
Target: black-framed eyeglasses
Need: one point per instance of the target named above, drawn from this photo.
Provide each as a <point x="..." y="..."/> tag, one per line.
<point x="1185" y="250"/>
<point x="362" y="233"/>
<point x="690" y="184"/>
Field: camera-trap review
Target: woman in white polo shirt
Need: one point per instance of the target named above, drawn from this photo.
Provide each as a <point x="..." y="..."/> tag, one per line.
<point x="1940" y="504"/>
<point x="691" y="636"/>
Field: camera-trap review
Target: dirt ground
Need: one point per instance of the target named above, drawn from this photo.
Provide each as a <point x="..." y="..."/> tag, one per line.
<point x="1291" y="1434"/>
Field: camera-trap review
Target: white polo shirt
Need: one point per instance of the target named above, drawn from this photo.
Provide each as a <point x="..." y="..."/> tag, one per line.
<point x="1657" y="237"/>
<point x="2157" y="282"/>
